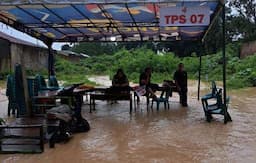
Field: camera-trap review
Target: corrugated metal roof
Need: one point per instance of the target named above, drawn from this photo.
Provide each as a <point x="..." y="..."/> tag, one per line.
<point x="18" y="41"/>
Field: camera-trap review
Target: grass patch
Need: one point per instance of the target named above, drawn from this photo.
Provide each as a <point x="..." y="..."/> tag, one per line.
<point x="74" y="78"/>
<point x="240" y="73"/>
<point x="2" y="83"/>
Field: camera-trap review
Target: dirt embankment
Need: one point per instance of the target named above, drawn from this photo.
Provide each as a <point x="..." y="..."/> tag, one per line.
<point x="2" y="94"/>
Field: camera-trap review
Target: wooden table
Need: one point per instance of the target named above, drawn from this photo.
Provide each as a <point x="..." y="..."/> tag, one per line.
<point x="87" y="91"/>
<point x="27" y="135"/>
<point x="93" y="89"/>
<point x="111" y="97"/>
<point x="47" y="99"/>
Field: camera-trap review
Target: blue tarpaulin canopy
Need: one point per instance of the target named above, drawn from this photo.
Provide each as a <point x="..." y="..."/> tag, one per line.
<point x="100" y="20"/>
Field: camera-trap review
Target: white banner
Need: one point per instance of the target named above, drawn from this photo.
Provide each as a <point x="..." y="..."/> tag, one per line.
<point x="185" y="16"/>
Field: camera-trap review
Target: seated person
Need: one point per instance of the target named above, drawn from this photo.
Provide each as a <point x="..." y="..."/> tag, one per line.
<point x="145" y="80"/>
<point x="120" y="82"/>
<point x="180" y="77"/>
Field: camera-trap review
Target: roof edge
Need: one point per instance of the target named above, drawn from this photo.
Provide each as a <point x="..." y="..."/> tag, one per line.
<point x="66" y="2"/>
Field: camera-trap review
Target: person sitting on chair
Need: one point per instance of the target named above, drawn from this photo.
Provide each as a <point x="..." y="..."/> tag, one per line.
<point x="180" y="77"/>
<point x="120" y="82"/>
<point x="145" y="80"/>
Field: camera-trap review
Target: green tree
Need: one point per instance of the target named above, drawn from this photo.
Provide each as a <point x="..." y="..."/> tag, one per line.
<point x="95" y="48"/>
<point x="244" y="22"/>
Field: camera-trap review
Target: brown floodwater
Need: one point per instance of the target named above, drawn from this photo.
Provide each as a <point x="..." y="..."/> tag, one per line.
<point x="175" y="135"/>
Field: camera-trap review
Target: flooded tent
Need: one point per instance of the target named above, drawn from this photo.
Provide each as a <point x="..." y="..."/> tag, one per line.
<point x="113" y="20"/>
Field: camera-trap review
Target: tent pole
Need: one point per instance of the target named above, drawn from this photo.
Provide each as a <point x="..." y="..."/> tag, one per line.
<point x="199" y="77"/>
<point x="50" y="60"/>
<point x="224" y="58"/>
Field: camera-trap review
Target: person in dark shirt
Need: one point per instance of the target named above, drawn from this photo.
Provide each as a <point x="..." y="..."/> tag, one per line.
<point x="120" y="81"/>
<point x="145" y="80"/>
<point x="180" y="77"/>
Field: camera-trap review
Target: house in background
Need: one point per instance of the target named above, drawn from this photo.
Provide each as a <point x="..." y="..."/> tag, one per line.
<point x="248" y="49"/>
<point x="15" y="50"/>
<point x="71" y="56"/>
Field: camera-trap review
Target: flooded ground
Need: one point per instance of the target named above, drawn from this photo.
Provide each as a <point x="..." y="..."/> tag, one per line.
<point x="175" y="135"/>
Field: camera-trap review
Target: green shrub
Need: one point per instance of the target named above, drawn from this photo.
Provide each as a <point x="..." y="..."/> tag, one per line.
<point x="240" y="73"/>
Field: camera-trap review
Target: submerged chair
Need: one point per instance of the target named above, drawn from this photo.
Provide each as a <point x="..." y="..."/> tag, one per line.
<point x="164" y="98"/>
<point x="213" y="93"/>
<point x="216" y="108"/>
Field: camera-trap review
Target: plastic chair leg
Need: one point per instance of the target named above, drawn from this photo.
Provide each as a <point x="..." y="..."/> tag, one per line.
<point x="227" y="118"/>
<point x="208" y="117"/>
<point x="158" y="103"/>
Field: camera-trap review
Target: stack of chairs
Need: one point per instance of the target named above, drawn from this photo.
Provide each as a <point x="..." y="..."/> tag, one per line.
<point x="52" y="82"/>
<point x="218" y="106"/>
<point x="41" y="83"/>
<point x="17" y="137"/>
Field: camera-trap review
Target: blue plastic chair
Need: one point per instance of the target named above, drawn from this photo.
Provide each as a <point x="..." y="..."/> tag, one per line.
<point x="216" y="108"/>
<point x="52" y="82"/>
<point x="213" y="92"/>
<point x="164" y="98"/>
<point x="41" y="84"/>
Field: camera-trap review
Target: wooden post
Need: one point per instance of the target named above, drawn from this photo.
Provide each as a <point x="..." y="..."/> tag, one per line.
<point x="25" y="84"/>
<point x="199" y="77"/>
<point x="227" y="117"/>
<point x="224" y="51"/>
<point x="50" y="60"/>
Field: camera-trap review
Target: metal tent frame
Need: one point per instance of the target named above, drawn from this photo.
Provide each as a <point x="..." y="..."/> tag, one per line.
<point x="102" y="22"/>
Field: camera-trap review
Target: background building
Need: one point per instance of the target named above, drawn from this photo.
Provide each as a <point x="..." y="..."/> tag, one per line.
<point x="13" y="50"/>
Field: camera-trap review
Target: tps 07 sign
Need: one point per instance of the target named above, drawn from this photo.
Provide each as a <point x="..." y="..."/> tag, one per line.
<point x="185" y="16"/>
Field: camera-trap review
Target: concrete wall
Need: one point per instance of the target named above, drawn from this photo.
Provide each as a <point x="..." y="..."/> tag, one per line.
<point x="32" y="57"/>
<point x="248" y="49"/>
<point x="5" y="57"/>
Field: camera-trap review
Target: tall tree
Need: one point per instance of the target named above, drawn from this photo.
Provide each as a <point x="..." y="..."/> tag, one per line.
<point x="95" y="48"/>
<point x="244" y="19"/>
<point x="245" y="8"/>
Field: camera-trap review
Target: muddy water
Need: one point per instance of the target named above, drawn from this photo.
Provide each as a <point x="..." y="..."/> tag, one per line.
<point x="175" y="135"/>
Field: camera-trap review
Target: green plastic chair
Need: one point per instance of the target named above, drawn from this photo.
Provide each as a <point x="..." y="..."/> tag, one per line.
<point x="41" y="84"/>
<point x="52" y="82"/>
<point x="164" y="98"/>
<point x="213" y="92"/>
<point x="216" y="108"/>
